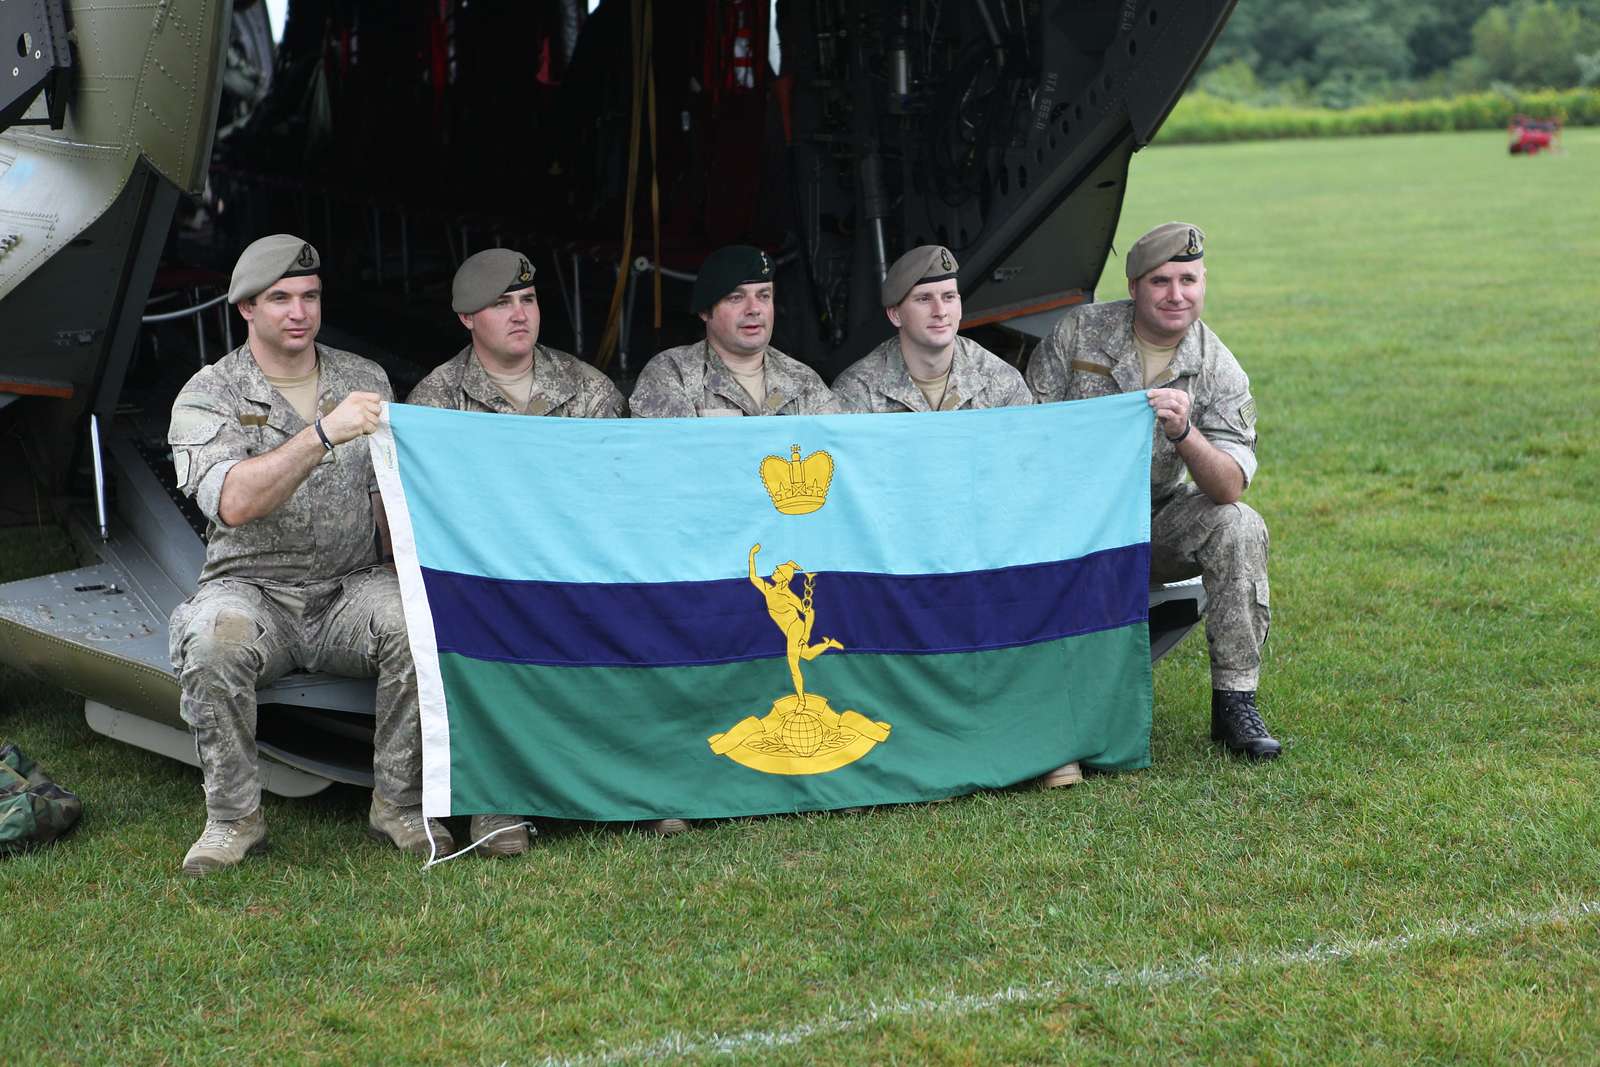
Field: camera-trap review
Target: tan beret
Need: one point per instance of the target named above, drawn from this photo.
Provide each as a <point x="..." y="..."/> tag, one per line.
<point x="488" y="275"/>
<point x="1171" y="242"/>
<point x="924" y="263"/>
<point x="282" y="255"/>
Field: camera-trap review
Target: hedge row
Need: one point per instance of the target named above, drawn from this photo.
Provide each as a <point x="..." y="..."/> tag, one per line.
<point x="1201" y="117"/>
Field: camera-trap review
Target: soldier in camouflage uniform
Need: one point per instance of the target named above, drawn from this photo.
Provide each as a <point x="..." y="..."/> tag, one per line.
<point x="1203" y="456"/>
<point x="505" y="370"/>
<point x="270" y="443"/>
<point x="734" y="371"/>
<point x="926" y="366"/>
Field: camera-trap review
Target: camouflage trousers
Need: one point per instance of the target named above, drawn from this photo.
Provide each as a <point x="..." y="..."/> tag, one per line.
<point x="233" y="636"/>
<point x="1226" y="544"/>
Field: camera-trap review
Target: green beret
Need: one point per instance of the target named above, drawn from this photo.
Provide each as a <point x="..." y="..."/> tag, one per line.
<point x="282" y="255"/>
<point x="924" y="263"/>
<point x="724" y="271"/>
<point x="1171" y="242"/>
<point x="488" y="275"/>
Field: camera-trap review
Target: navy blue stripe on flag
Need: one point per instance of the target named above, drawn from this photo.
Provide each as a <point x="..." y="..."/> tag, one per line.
<point x="672" y="624"/>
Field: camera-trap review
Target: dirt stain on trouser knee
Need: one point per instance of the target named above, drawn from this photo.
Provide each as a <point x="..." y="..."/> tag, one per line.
<point x="219" y="664"/>
<point x="234" y="627"/>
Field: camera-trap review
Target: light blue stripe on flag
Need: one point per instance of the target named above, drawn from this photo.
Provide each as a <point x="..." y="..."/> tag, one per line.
<point x="693" y="514"/>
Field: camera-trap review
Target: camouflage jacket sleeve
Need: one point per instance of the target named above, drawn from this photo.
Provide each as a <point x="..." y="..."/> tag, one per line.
<point x="434" y="391"/>
<point x="1004" y="384"/>
<point x="851" y="393"/>
<point x="1014" y="391"/>
<point x="660" y="392"/>
<point x="206" y="440"/>
<point x="599" y="398"/>
<point x="818" y="399"/>
<point x="1047" y="375"/>
<point x="1224" y="410"/>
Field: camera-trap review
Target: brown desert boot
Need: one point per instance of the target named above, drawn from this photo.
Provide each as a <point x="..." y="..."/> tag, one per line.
<point x="225" y="842"/>
<point x="1064" y="775"/>
<point x="403" y="828"/>
<point x="510" y="835"/>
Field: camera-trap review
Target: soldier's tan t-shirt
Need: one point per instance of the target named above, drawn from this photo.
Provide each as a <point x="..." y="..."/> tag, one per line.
<point x="754" y="381"/>
<point x="300" y="392"/>
<point x="1156" y="358"/>
<point x="933" y="389"/>
<point x="517" y="388"/>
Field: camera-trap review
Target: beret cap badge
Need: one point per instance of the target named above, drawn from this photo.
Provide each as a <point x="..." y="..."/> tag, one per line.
<point x="267" y="259"/>
<point x="924" y="263"/>
<point x="484" y="277"/>
<point x="725" y="270"/>
<point x="1171" y="242"/>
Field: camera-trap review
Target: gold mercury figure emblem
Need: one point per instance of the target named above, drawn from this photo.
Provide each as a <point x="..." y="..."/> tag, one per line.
<point x="801" y="734"/>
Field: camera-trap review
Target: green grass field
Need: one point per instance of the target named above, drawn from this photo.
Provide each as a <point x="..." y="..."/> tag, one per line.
<point x="1416" y="880"/>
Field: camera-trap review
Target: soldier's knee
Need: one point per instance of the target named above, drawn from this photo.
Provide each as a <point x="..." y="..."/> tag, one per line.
<point x="1237" y="539"/>
<point x="1235" y="516"/>
<point x="223" y="644"/>
<point x="388" y="618"/>
<point x="388" y="625"/>
<point x="1239" y="522"/>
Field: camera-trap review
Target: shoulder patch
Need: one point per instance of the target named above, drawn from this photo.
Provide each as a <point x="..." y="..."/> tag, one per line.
<point x="1247" y="412"/>
<point x="192" y="424"/>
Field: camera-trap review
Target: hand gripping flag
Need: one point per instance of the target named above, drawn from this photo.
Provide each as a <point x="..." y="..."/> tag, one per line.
<point x="639" y="619"/>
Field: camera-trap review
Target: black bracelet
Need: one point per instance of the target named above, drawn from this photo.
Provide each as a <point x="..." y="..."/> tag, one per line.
<point x="329" y="444"/>
<point x="1188" y="424"/>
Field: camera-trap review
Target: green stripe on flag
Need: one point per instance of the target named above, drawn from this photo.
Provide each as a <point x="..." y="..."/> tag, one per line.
<point x="573" y="742"/>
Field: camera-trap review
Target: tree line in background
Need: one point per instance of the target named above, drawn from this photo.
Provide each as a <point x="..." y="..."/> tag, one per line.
<point x="1345" y="53"/>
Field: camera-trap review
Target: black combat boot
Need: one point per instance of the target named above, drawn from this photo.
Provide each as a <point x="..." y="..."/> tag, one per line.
<point x="1236" y="722"/>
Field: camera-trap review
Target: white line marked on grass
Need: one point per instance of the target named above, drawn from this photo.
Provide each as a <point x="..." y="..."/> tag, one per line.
<point x="956" y="1005"/>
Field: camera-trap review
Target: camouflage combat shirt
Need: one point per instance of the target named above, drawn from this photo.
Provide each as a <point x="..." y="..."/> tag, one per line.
<point x="1091" y="353"/>
<point x="228" y="412"/>
<point x="562" y="386"/>
<point x="880" y="382"/>
<point x="692" y="380"/>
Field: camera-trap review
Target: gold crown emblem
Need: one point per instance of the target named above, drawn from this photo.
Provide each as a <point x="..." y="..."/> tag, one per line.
<point x="797" y="486"/>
